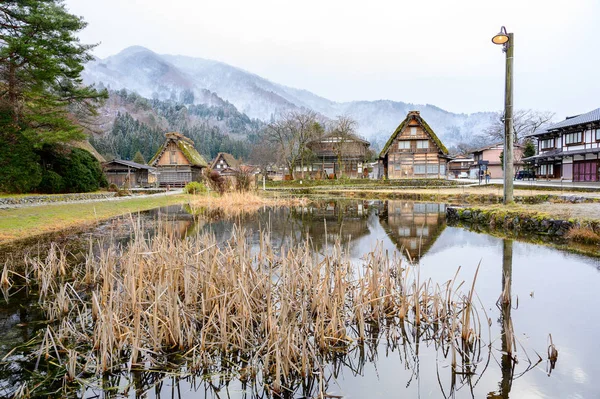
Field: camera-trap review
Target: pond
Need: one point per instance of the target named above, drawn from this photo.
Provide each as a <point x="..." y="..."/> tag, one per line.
<point x="551" y="292"/>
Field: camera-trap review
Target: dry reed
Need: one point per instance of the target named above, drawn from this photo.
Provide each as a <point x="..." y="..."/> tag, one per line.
<point x="274" y="316"/>
<point x="235" y="203"/>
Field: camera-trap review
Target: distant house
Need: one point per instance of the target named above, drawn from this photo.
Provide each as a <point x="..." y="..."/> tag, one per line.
<point x="459" y="167"/>
<point x="489" y="157"/>
<point x="128" y="173"/>
<point x="223" y="161"/>
<point x="570" y="149"/>
<point x="337" y="155"/>
<point x="177" y="161"/>
<point x="414" y="151"/>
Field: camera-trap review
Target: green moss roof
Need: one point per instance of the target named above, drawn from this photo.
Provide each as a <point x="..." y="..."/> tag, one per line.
<point x="425" y="126"/>
<point x="191" y="154"/>
<point x="185" y="145"/>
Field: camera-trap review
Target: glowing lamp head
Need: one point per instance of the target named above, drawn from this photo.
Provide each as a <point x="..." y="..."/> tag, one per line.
<point x="501" y="37"/>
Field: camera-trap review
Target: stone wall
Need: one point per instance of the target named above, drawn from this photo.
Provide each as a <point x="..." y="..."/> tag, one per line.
<point x="530" y="224"/>
<point x="42" y="199"/>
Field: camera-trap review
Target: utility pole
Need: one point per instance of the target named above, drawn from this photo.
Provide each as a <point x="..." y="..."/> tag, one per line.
<point x="508" y="123"/>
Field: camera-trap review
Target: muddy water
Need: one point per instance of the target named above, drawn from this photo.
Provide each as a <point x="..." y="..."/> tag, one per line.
<point x="553" y="292"/>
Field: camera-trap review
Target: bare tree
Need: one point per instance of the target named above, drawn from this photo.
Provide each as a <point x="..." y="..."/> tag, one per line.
<point x="343" y="129"/>
<point x="290" y="135"/>
<point x="262" y="155"/>
<point x="525" y="122"/>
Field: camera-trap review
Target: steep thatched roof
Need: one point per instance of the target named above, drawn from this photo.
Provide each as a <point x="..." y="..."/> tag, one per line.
<point x="231" y="161"/>
<point x="185" y="145"/>
<point x="414" y="115"/>
<point x="85" y="145"/>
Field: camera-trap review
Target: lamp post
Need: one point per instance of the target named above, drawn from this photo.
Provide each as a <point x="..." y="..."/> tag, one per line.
<point x="508" y="45"/>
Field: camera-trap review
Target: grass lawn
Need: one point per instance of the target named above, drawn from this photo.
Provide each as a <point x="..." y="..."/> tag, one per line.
<point x="17" y="223"/>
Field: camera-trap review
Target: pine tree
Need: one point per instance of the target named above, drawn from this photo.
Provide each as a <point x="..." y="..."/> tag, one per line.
<point x="41" y="61"/>
<point x="139" y="158"/>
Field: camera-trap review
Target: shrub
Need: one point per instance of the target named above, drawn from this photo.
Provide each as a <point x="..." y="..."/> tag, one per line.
<point x="80" y="171"/>
<point x="583" y="234"/>
<point x="113" y="188"/>
<point x="20" y="169"/>
<point x="243" y="180"/>
<point x="215" y="181"/>
<point x="195" y="188"/>
<point x="51" y="183"/>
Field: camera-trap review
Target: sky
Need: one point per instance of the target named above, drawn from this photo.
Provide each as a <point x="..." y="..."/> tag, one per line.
<point x="423" y="51"/>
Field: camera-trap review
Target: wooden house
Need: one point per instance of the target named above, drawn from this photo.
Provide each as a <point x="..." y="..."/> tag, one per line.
<point x="177" y="161"/>
<point x="337" y="155"/>
<point x="460" y="167"/>
<point x="414" y="151"/>
<point x="224" y="161"/>
<point x="128" y="173"/>
<point x="489" y="158"/>
<point x="570" y="149"/>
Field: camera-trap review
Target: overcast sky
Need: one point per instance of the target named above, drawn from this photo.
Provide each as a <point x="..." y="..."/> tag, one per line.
<point x="423" y="51"/>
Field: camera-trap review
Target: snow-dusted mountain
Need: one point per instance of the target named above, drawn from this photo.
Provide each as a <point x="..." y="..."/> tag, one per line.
<point x="159" y="76"/>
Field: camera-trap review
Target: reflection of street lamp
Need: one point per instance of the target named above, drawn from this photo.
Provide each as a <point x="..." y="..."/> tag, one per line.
<point x="508" y="45"/>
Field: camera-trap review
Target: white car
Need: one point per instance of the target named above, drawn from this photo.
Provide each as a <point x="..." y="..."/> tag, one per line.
<point x="463" y="175"/>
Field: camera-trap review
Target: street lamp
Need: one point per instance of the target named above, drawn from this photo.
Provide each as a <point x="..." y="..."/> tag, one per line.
<point x="508" y="45"/>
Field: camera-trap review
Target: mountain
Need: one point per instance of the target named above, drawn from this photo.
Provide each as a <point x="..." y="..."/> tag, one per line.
<point x="218" y="84"/>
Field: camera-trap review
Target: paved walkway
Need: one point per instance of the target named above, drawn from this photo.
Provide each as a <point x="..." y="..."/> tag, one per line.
<point x="566" y="184"/>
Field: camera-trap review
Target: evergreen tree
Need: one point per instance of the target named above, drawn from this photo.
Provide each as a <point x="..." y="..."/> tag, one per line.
<point x="41" y="61"/>
<point x="139" y="158"/>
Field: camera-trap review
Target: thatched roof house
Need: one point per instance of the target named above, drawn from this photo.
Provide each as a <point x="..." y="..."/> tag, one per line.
<point x="177" y="161"/>
<point x="414" y="151"/>
<point x="223" y="161"/>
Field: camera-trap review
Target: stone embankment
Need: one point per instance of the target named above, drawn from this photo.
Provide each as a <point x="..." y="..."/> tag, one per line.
<point x="48" y="199"/>
<point x="518" y="221"/>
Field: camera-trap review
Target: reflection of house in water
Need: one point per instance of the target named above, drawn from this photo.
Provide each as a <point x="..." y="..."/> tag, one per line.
<point x="176" y="220"/>
<point x="344" y="220"/>
<point x="413" y="226"/>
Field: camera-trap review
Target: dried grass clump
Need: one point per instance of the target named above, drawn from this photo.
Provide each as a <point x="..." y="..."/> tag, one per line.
<point x="584" y="235"/>
<point x="236" y="203"/>
<point x="270" y="319"/>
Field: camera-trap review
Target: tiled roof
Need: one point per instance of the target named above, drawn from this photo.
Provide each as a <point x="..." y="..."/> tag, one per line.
<point x="560" y="153"/>
<point x="592" y="116"/>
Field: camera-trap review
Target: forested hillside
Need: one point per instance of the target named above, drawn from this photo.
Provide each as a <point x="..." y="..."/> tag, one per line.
<point x="131" y="123"/>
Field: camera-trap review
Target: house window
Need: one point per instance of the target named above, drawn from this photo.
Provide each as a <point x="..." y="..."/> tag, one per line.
<point x="546" y="170"/>
<point x="173" y="157"/>
<point x="422" y="231"/>
<point x="413" y="131"/>
<point x="397" y="167"/>
<point x="420" y="169"/>
<point x="442" y="169"/>
<point x="432" y="169"/>
<point x="404" y="145"/>
<point x="419" y="208"/>
<point x="573" y="138"/>
<point x="422" y="143"/>
<point x="597" y="134"/>
<point x="404" y="231"/>
<point x="546" y="144"/>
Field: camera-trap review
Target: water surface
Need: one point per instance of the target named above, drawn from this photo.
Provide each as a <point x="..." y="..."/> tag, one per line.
<point x="553" y="292"/>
